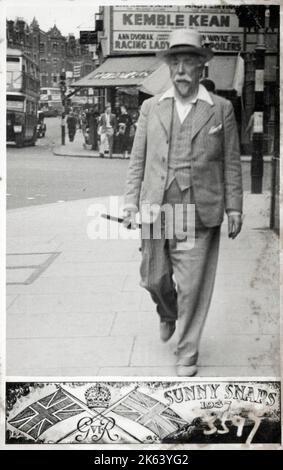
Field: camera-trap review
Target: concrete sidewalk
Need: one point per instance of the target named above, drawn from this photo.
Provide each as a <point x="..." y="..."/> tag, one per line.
<point x="79" y="149"/>
<point x="82" y="312"/>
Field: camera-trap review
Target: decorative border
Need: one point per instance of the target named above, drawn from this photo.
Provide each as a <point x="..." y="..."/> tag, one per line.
<point x="147" y="412"/>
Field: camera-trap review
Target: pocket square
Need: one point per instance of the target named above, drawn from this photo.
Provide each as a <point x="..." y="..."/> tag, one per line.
<point x="215" y="129"/>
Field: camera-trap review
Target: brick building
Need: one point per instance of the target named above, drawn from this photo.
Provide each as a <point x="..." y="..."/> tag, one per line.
<point x="52" y="51"/>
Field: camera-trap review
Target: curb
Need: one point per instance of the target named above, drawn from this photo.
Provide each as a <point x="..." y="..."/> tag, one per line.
<point x="61" y="153"/>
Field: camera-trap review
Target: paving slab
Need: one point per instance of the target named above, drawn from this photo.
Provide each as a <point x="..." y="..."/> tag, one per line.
<point x="52" y="325"/>
<point x="86" y="314"/>
<point x="38" y="354"/>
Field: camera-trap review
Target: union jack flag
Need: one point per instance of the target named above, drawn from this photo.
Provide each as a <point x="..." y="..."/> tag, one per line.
<point x="36" y="418"/>
<point x="151" y="413"/>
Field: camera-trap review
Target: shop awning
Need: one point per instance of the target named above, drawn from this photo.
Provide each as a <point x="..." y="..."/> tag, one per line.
<point x="157" y="82"/>
<point x="120" y="71"/>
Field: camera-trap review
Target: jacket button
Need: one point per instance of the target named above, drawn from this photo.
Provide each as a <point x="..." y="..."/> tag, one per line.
<point x="163" y="177"/>
<point x="163" y="159"/>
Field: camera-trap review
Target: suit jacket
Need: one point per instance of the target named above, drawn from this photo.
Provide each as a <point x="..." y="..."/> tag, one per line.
<point x="113" y="121"/>
<point x="215" y="158"/>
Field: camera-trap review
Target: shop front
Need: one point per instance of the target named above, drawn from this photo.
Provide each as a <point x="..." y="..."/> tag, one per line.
<point x="118" y="81"/>
<point x="131" y="72"/>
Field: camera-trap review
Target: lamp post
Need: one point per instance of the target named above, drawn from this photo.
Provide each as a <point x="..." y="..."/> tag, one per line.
<point x="258" y="130"/>
<point x="63" y="98"/>
<point x="206" y="44"/>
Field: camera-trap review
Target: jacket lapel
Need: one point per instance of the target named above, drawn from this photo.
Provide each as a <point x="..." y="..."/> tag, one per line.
<point x="203" y="113"/>
<point x="164" y="111"/>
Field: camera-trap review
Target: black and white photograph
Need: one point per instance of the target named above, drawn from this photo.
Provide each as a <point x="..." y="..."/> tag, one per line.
<point x="142" y="180"/>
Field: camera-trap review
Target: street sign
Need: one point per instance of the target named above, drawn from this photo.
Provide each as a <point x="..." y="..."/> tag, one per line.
<point x="88" y="37"/>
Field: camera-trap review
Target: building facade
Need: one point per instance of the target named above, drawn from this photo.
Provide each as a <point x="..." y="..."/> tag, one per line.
<point x="53" y="52"/>
<point x="132" y="35"/>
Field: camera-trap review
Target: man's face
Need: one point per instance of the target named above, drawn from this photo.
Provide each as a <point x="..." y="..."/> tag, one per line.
<point x="185" y="72"/>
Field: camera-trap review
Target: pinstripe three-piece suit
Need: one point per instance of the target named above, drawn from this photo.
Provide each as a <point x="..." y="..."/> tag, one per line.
<point x="196" y="161"/>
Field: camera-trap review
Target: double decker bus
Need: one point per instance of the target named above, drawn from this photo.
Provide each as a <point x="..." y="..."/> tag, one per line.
<point x="50" y="101"/>
<point x="22" y="96"/>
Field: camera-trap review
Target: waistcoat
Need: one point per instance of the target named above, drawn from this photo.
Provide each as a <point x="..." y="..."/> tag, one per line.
<point x="179" y="166"/>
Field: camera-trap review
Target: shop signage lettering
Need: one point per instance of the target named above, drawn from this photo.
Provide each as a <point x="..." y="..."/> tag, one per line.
<point x="176" y="20"/>
<point x="144" y="30"/>
<point x="136" y="42"/>
<point x="122" y="75"/>
<point x="224" y="42"/>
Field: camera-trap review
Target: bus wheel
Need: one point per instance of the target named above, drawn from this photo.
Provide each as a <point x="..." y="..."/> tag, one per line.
<point x="19" y="139"/>
<point x="34" y="137"/>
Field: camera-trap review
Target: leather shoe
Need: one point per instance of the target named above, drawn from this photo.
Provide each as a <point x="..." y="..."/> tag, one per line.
<point x="186" y="371"/>
<point x="167" y="329"/>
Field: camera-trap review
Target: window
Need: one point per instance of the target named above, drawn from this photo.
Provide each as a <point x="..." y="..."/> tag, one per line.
<point x="54" y="78"/>
<point x="42" y="64"/>
<point x="13" y="64"/>
<point x="54" y="61"/>
<point x="15" y="105"/>
<point x="42" y="47"/>
<point x="55" y="47"/>
<point x="43" y="80"/>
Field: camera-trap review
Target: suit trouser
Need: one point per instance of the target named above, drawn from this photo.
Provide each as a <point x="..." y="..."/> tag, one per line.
<point x="72" y="133"/>
<point x="110" y="139"/>
<point x="188" y="298"/>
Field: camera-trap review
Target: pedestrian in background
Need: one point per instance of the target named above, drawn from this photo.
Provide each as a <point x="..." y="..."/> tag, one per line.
<point x="92" y="119"/>
<point x="133" y="127"/>
<point x="123" y="133"/>
<point x="107" y="129"/>
<point x="72" y="125"/>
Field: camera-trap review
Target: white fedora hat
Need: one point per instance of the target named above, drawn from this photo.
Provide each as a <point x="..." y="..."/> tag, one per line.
<point x="186" y="41"/>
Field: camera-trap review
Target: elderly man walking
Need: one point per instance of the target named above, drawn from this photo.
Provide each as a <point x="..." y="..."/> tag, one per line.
<point x="186" y="151"/>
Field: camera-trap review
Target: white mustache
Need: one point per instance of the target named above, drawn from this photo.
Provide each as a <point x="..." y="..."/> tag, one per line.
<point x="183" y="79"/>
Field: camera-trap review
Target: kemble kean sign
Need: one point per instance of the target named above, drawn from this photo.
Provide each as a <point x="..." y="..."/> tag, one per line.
<point x="146" y="29"/>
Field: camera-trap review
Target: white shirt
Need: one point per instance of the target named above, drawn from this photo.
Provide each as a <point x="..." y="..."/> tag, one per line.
<point x="184" y="107"/>
<point x="107" y="120"/>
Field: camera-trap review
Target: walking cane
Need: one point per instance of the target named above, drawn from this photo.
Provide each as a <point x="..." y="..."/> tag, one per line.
<point x="119" y="220"/>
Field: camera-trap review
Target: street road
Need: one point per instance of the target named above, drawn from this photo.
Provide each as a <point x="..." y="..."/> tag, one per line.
<point x="36" y="176"/>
